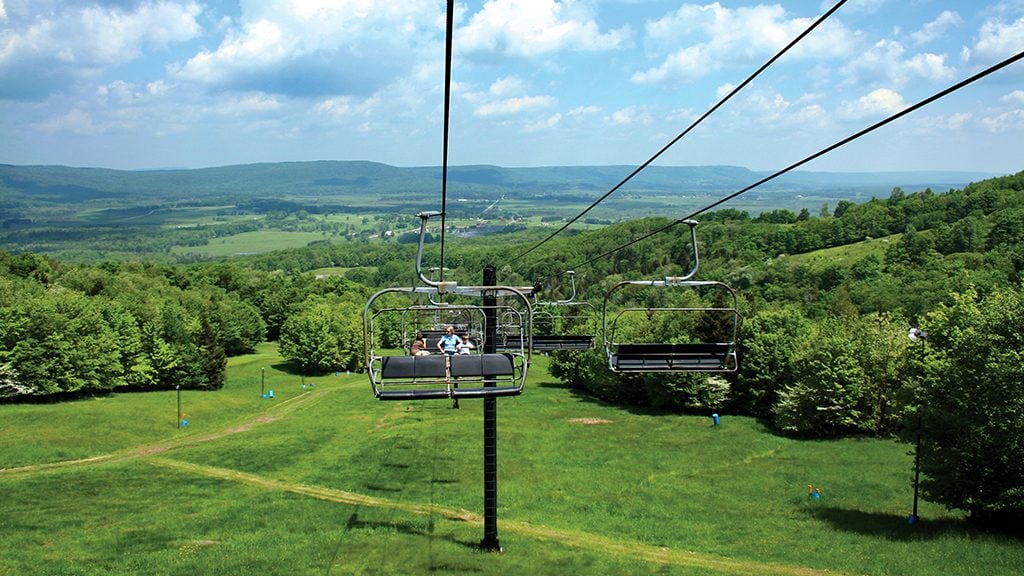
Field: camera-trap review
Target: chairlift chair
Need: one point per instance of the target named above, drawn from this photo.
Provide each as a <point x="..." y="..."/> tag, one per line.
<point x="437" y="376"/>
<point x="701" y="356"/>
<point x="550" y="319"/>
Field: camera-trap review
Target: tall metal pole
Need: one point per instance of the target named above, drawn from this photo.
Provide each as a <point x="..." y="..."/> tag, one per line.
<point x="177" y="387"/>
<point x="490" y="540"/>
<point x="917" y="334"/>
<point x="263" y="379"/>
<point x="917" y="469"/>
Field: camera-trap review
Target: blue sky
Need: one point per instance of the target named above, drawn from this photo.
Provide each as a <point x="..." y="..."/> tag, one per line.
<point x="180" y="83"/>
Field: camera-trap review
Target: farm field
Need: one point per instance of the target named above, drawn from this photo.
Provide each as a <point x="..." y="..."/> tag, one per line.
<point x="326" y="480"/>
<point x="251" y="243"/>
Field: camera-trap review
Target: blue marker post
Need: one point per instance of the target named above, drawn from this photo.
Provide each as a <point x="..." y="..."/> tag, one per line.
<point x="714" y="419"/>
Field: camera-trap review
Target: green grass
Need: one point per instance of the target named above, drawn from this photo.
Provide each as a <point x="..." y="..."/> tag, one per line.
<point x="251" y="243"/>
<point x="844" y="255"/>
<point x="330" y="481"/>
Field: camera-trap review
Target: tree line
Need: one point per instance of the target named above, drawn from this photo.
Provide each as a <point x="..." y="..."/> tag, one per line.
<point x="68" y="330"/>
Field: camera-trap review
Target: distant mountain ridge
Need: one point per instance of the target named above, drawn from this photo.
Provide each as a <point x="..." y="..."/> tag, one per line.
<point x="323" y="179"/>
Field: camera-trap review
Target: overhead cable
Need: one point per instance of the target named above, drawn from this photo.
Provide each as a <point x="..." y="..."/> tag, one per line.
<point x="447" y="107"/>
<point x="818" y="154"/>
<point x="693" y="125"/>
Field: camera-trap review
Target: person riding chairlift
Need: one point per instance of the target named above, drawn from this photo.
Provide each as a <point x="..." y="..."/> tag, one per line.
<point x="419" y="346"/>
<point x="465" y="346"/>
<point x="449" y="342"/>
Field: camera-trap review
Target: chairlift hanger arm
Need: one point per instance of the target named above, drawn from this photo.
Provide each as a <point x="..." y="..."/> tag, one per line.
<point x="572" y="283"/>
<point x="441" y="286"/>
<point x="451" y="287"/>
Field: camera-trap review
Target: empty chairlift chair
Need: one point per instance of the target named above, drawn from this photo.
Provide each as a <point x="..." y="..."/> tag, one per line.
<point x="564" y="324"/>
<point x="715" y="352"/>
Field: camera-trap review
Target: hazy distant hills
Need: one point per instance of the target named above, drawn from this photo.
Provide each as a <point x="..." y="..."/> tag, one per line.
<point x="330" y="179"/>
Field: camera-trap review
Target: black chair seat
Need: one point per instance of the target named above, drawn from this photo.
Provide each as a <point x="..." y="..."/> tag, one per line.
<point x="546" y="343"/>
<point x="668" y="357"/>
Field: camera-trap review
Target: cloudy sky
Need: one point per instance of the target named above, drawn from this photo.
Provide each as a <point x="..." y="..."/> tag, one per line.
<point x="141" y="84"/>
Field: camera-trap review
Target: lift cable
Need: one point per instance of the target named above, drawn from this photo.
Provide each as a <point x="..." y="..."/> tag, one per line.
<point x="818" y="154"/>
<point x="447" y="108"/>
<point x="693" y="125"/>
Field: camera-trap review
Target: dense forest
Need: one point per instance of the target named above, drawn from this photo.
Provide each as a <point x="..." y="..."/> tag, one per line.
<point x="827" y="298"/>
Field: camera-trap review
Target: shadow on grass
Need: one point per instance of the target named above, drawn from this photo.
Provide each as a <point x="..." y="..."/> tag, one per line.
<point x="585" y="397"/>
<point x="556" y="385"/>
<point x="762" y="424"/>
<point x="293" y="369"/>
<point x="889" y="525"/>
<point x="381" y="487"/>
<point x="408" y="528"/>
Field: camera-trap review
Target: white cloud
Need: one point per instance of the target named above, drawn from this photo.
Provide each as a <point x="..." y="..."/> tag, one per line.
<point x="1016" y="97"/>
<point x="931" y="67"/>
<point x="257" y="43"/>
<point x="75" y="121"/>
<point x="544" y="124"/>
<point x="246" y="104"/>
<point x="882" y="101"/>
<point x="535" y="27"/>
<point x="1004" y="122"/>
<point x="121" y="93"/>
<point x="939" y="126"/>
<point x="94" y="36"/>
<point x="724" y="90"/>
<point x="505" y="97"/>
<point x="1010" y="118"/>
<point x="49" y="51"/>
<point x="317" y="48"/>
<point x="999" y="40"/>
<point x="771" y="112"/>
<point x="885" y="64"/>
<point x="338" y="106"/>
<point x="681" y="115"/>
<point x="510" y="106"/>
<point x="631" y="115"/>
<point x="858" y="6"/>
<point x="698" y="39"/>
<point x="507" y="85"/>
<point x="689" y="62"/>
<point x="586" y="111"/>
<point x="936" y="28"/>
<point x="958" y="120"/>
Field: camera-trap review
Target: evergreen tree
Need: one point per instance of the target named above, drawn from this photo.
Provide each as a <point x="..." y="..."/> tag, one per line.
<point x="215" y="362"/>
